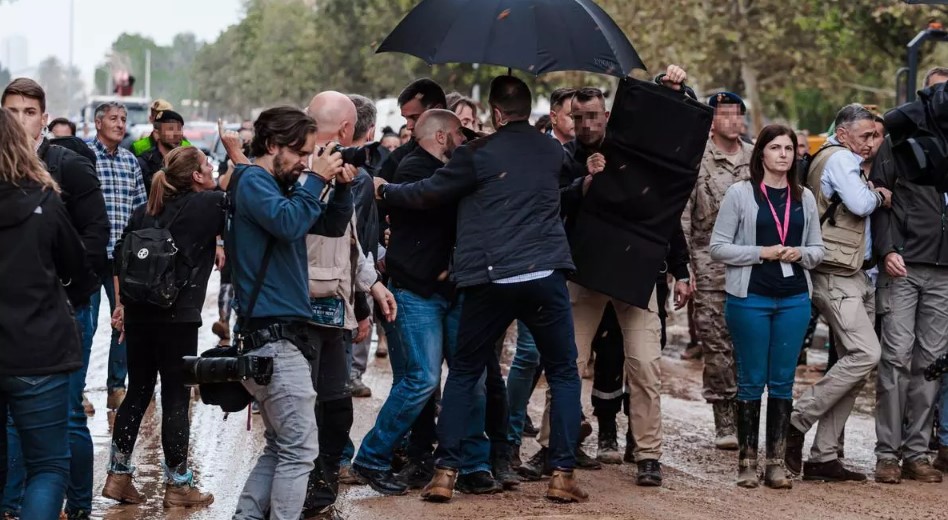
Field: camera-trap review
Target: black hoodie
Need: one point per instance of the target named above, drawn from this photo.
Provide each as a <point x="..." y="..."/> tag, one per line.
<point x="41" y="253"/>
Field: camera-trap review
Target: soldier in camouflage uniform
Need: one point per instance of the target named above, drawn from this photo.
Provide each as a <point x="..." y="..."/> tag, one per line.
<point x="726" y="161"/>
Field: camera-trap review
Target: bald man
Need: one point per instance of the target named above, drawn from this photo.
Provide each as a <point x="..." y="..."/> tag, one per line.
<point x="417" y="261"/>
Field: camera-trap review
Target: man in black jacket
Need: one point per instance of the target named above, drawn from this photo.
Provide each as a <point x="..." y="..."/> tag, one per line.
<point x="85" y="204"/>
<point x="510" y="263"/>
<point x="169" y="133"/>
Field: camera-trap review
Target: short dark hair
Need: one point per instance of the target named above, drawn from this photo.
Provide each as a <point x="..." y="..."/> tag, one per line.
<point x="559" y="96"/>
<point x="27" y="88"/>
<point x="587" y="94"/>
<point x="62" y="121"/>
<point x="456" y="99"/>
<point x="427" y="91"/>
<point x="281" y="126"/>
<point x="365" y="115"/>
<point x="544" y="123"/>
<point x="852" y="113"/>
<point x="512" y="96"/>
<point x="935" y="71"/>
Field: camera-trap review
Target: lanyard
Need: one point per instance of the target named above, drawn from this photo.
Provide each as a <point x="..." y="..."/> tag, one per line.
<point x="781" y="232"/>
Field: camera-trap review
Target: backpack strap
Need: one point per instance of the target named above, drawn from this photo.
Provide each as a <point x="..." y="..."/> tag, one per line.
<point x="268" y="252"/>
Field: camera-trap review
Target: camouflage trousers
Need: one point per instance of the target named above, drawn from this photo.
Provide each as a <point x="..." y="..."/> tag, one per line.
<point x="720" y="373"/>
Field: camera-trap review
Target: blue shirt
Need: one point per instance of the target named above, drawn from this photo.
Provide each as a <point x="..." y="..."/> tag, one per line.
<point x="122" y="187"/>
<point x="842" y="174"/>
<point x="262" y="211"/>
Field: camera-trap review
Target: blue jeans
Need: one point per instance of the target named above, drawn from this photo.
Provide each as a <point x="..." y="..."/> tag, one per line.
<point x="768" y="335"/>
<point x="118" y="356"/>
<point x="79" y="492"/>
<point x="39" y="406"/>
<point x="426" y="329"/>
<point x="520" y="382"/>
<point x="544" y="306"/>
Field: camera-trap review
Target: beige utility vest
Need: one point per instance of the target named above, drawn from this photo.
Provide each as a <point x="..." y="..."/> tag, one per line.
<point x="844" y="234"/>
<point x="332" y="265"/>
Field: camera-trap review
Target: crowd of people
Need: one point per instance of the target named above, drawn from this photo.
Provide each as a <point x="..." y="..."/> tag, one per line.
<point x="446" y="234"/>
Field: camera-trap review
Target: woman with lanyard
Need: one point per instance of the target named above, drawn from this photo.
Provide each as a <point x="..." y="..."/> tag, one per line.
<point x="768" y="234"/>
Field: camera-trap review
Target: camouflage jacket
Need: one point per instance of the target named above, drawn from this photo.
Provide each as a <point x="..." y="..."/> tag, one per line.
<point x="718" y="172"/>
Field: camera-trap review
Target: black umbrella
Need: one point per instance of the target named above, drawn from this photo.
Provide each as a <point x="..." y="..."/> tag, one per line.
<point x="536" y="36"/>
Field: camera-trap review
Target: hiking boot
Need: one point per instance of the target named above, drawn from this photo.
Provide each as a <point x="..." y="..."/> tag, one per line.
<point x="650" y="473"/>
<point x="608" y="444"/>
<point x="529" y="430"/>
<point x="536" y="467"/>
<point x="794" y="455"/>
<point x="186" y="496"/>
<point x="921" y="470"/>
<point x="725" y="432"/>
<point x="349" y="478"/>
<point x="116" y="396"/>
<point x="383" y="482"/>
<point x="119" y="486"/>
<point x="584" y="461"/>
<point x="888" y="471"/>
<point x="87" y="406"/>
<point x="503" y="472"/>
<point x="416" y="473"/>
<point x="359" y="389"/>
<point x="563" y="488"/>
<point x="381" y="351"/>
<point x="221" y="329"/>
<point x="478" y="483"/>
<point x="748" y="430"/>
<point x="830" y="471"/>
<point x="941" y="461"/>
<point x="328" y="513"/>
<point x="629" y="449"/>
<point x="778" y="423"/>
<point x="441" y="487"/>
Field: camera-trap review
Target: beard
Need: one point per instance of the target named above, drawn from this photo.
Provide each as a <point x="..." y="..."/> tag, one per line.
<point x="285" y="171"/>
<point x="449" y="147"/>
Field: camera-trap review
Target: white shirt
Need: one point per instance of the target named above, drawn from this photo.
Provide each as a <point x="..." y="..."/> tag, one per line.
<point x="843" y="175"/>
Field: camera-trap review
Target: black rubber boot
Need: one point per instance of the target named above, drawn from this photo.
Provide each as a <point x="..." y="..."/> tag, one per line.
<point x="748" y="428"/>
<point x="778" y="424"/>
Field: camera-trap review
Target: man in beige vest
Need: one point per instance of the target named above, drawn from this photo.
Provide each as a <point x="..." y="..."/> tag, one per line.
<point x="726" y="161"/>
<point x="842" y="292"/>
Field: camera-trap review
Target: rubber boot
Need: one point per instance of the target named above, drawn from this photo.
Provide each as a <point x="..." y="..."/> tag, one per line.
<point x="608" y="442"/>
<point x="725" y="436"/>
<point x="748" y="429"/>
<point x="778" y="422"/>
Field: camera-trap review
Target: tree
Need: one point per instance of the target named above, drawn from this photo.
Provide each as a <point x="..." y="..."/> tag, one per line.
<point x="64" y="87"/>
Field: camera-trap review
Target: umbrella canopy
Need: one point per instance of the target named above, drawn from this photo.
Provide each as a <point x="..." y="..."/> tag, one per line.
<point x="536" y="36"/>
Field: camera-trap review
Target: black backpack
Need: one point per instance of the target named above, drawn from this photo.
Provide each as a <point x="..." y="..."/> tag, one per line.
<point x="149" y="273"/>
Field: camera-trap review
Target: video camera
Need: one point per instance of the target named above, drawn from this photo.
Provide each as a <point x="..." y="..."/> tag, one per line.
<point x="219" y="371"/>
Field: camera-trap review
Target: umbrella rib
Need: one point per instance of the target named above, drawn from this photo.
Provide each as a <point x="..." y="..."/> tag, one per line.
<point x="609" y="42"/>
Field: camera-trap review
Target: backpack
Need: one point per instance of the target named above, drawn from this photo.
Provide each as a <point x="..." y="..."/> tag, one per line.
<point x="149" y="273"/>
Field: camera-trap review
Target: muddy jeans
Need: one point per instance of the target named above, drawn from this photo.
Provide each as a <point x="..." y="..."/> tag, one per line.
<point x="848" y="305"/>
<point x="278" y="482"/>
<point x="720" y="373"/>
<point x="914" y="333"/>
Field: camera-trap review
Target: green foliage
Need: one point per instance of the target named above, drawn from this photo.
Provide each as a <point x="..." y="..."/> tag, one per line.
<point x="171" y="66"/>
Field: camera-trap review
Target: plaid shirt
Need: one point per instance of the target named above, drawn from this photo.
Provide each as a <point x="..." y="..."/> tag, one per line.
<point x="122" y="186"/>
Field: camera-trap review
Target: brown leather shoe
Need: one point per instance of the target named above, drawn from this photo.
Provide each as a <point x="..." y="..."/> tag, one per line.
<point x="563" y="488"/>
<point x="120" y="487"/>
<point x="921" y="470"/>
<point x="221" y="329"/>
<point x="441" y="487"/>
<point x="888" y="471"/>
<point x="186" y="496"/>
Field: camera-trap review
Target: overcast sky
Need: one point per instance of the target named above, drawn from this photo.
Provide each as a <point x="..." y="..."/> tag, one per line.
<point x="45" y="25"/>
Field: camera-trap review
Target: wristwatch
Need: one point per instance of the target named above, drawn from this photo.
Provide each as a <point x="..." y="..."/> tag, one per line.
<point x="380" y="191"/>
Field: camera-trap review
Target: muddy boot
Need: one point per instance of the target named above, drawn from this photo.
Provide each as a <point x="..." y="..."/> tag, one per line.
<point x="536" y="467"/>
<point x="608" y="443"/>
<point x="349" y="478"/>
<point x="794" y="455"/>
<point x="563" y="488"/>
<point x="941" y="461"/>
<point x="500" y="464"/>
<point x="119" y="486"/>
<point x="725" y="433"/>
<point x="778" y="422"/>
<point x="888" y="471"/>
<point x="441" y="487"/>
<point x="180" y="490"/>
<point x="921" y="470"/>
<point x="748" y="428"/>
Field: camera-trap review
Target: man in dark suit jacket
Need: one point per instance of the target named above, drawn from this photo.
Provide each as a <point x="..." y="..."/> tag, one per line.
<point x="510" y="263"/>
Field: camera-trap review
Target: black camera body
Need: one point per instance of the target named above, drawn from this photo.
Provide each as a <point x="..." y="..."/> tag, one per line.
<point x="359" y="156"/>
<point x="201" y="370"/>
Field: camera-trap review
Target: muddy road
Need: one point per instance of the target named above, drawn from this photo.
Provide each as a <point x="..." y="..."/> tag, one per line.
<point x="699" y="480"/>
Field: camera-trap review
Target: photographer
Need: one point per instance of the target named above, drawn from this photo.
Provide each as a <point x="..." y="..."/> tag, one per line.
<point x="276" y="204"/>
<point x="183" y="200"/>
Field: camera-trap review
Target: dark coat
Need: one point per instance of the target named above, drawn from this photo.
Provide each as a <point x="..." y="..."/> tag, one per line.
<point x="654" y="143"/>
<point x="41" y="252"/>
<point x="509" y="211"/>
<point x="150" y="162"/>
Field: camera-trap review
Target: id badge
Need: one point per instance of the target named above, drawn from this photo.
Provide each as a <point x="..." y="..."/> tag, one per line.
<point x="787" y="269"/>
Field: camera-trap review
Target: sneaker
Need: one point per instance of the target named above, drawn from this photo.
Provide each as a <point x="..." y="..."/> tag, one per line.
<point x="115" y="398"/>
<point x="187" y="495"/>
<point x="921" y="470"/>
<point x="87" y="406"/>
<point x="830" y="471"/>
<point x="349" y="478"/>
<point x="119" y="486"/>
<point x="888" y="471"/>
<point x="359" y="389"/>
<point x="563" y="488"/>
<point x="478" y="483"/>
<point x="650" y="473"/>
<point x="441" y="487"/>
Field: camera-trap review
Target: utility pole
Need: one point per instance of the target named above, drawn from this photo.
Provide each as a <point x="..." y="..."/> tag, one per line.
<point x="148" y="74"/>
<point x="69" y="83"/>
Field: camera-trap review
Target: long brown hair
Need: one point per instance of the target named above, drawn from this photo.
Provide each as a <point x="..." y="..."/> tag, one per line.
<point x="174" y="178"/>
<point x="18" y="160"/>
<point x="768" y="134"/>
